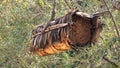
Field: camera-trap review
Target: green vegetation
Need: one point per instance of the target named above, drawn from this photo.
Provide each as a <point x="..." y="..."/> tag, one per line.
<point x="19" y="17"/>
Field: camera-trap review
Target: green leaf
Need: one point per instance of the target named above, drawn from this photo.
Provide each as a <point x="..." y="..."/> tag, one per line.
<point x="41" y="2"/>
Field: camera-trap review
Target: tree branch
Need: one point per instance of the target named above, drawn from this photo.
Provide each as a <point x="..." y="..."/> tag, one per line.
<point x="51" y="28"/>
<point x="53" y="11"/>
<point x="67" y="4"/>
<point x="52" y="17"/>
<point x="112" y="19"/>
<point x="111" y="62"/>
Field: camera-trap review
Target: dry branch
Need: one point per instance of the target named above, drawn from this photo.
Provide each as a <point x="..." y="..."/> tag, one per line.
<point x="100" y="13"/>
<point x="52" y="16"/>
<point x="52" y="28"/>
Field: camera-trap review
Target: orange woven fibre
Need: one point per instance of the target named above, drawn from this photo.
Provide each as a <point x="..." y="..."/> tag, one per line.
<point x="54" y="48"/>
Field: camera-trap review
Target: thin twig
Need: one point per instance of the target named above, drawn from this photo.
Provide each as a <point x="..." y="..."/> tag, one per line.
<point x="112" y="18"/>
<point x="67" y="4"/>
<point x="113" y="63"/>
<point x="53" y="11"/>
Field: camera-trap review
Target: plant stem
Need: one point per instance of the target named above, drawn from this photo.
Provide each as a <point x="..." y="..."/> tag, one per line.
<point x="106" y="59"/>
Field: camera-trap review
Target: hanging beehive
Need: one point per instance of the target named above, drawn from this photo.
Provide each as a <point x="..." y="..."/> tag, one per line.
<point x="73" y="29"/>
